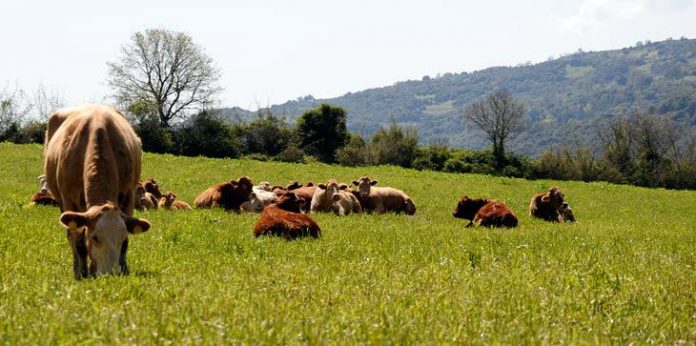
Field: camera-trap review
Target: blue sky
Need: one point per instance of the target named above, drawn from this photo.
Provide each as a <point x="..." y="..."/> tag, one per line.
<point x="272" y="51"/>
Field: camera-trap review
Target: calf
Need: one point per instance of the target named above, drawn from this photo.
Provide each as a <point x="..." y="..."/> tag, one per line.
<point x="258" y="200"/>
<point x="489" y="213"/>
<point x="334" y="197"/>
<point x="284" y="218"/>
<point x="144" y="200"/>
<point x="550" y="206"/>
<point x="169" y="201"/>
<point x="92" y="161"/>
<point x="152" y="187"/>
<point x="382" y="199"/>
<point x="229" y="195"/>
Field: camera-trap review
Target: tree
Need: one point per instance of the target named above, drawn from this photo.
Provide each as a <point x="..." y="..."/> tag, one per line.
<point x="499" y="115"/>
<point x="394" y="146"/>
<point x="322" y="130"/>
<point x="168" y="70"/>
<point x="14" y="108"/>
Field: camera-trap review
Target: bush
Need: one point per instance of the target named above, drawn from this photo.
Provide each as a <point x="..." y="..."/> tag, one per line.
<point x="432" y="158"/>
<point x="205" y="134"/>
<point x="394" y="146"/>
<point x="355" y="153"/>
<point x="291" y="154"/>
<point x="155" y="137"/>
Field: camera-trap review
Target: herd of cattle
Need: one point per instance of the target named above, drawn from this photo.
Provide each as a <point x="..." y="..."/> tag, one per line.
<point x="92" y="170"/>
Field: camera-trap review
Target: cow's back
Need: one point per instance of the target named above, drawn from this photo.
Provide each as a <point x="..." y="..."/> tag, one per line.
<point x="93" y="156"/>
<point x="392" y="199"/>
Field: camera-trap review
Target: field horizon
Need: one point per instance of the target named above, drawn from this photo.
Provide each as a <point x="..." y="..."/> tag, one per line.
<point x="624" y="273"/>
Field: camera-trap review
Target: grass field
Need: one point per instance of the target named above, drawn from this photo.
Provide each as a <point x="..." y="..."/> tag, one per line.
<point x="624" y="273"/>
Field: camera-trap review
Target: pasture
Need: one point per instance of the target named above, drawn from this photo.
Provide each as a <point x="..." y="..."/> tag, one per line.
<point x="626" y="272"/>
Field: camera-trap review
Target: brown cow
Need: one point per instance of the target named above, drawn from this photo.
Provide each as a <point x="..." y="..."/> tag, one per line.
<point x="169" y="201"/>
<point x="382" y="199"/>
<point x="229" y="195"/>
<point x="92" y="164"/>
<point x="143" y="199"/>
<point x="489" y="213"/>
<point x="333" y="196"/>
<point x="284" y="218"/>
<point x="305" y="193"/>
<point x="152" y="187"/>
<point x="550" y="206"/>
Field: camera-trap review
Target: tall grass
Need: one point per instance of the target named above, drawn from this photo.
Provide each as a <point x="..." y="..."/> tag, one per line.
<point x="624" y="273"/>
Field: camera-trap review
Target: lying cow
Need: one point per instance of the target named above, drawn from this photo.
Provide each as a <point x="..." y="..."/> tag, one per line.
<point x="152" y="187"/>
<point x="258" y="200"/>
<point x="92" y="164"/>
<point x="169" y="201"/>
<point x="305" y="193"/>
<point x="44" y="196"/>
<point x="382" y="199"/>
<point x="229" y="195"/>
<point x="284" y="218"/>
<point x="334" y="197"/>
<point x="550" y="206"/>
<point x="144" y="200"/>
<point x="484" y="212"/>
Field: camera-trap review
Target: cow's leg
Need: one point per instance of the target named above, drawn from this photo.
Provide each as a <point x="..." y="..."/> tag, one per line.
<point x="122" y="260"/>
<point x="76" y="238"/>
<point x="379" y="208"/>
<point x="470" y="224"/>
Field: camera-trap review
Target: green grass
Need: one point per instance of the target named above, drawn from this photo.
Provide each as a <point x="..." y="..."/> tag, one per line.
<point x="624" y="274"/>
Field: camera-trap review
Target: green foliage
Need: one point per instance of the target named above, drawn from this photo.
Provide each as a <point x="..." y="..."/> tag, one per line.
<point x="267" y="135"/>
<point x="208" y="135"/>
<point x="433" y="157"/>
<point x="355" y="153"/>
<point x="394" y="145"/>
<point x="622" y="275"/>
<point x="322" y="131"/>
<point x="291" y="154"/>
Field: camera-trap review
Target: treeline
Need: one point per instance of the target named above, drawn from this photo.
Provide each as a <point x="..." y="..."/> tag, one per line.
<point x="642" y="150"/>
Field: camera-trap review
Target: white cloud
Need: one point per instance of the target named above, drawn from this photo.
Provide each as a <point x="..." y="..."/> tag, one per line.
<point x="596" y="14"/>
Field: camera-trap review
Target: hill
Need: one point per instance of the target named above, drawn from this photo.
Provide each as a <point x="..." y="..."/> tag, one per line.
<point x="568" y="99"/>
<point x="623" y="274"/>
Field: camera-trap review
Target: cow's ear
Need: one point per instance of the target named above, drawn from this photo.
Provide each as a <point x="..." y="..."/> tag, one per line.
<point x="309" y="184"/>
<point x="322" y="186"/>
<point x="135" y="225"/>
<point x="356" y="183"/>
<point x="73" y="220"/>
<point x="373" y="183"/>
<point x="342" y="187"/>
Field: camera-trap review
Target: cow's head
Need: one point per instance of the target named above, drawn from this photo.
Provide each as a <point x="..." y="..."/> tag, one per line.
<point x="105" y="230"/>
<point x="244" y="186"/>
<point x="293" y="185"/>
<point x="554" y="197"/>
<point x="152" y="187"/>
<point x="332" y="188"/>
<point x="169" y="199"/>
<point x="364" y="185"/>
<point x="567" y="213"/>
<point x="468" y="207"/>
<point x="290" y="202"/>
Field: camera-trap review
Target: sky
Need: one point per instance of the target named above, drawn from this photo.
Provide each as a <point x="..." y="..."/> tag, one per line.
<point x="271" y="51"/>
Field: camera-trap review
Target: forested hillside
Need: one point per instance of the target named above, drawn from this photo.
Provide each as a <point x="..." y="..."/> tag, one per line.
<point x="568" y="99"/>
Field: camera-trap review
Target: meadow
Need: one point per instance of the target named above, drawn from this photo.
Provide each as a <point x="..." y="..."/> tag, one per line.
<point x="625" y="273"/>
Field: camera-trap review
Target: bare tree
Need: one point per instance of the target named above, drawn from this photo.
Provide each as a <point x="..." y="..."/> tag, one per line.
<point x="14" y="108"/>
<point x="499" y="115"/>
<point x="45" y="102"/>
<point x="166" y="69"/>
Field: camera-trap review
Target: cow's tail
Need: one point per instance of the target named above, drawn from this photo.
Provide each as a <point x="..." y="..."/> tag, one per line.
<point x="409" y="207"/>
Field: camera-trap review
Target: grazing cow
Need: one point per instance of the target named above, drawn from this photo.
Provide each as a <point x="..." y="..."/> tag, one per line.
<point x="382" y="199"/>
<point x="92" y="164"/>
<point x="284" y="218"/>
<point x="550" y="206"/>
<point x="169" y="201"/>
<point x="229" y="195"/>
<point x="44" y="196"/>
<point x="489" y="213"/>
<point x="258" y="200"/>
<point x="334" y="197"/>
<point x="143" y="199"/>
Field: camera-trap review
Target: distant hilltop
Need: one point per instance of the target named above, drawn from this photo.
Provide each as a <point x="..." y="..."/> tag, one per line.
<point x="568" y="99"/>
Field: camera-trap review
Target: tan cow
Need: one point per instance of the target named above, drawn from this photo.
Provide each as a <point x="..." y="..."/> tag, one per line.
<point x="169" y="201"/>
<point x="92" y="165"/>
<point x="382" y="199"/>
<point x="333" y="196"/>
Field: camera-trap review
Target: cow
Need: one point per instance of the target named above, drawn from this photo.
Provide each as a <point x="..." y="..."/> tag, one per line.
<point x="258" y="200"/>
<point x="169" y="201"/>
<point x="305" y="193"/>
<point x="228" y="195"/>
<point x="485" y="212"/>
<point x="144" y="200"/>
<point x="92" y="165"/>
<point x="567" y="214"/>
<point x="333" y="196"/>
<point x="550" y="206"/>
<point x="382" y="199"/>
<point x="265" y="186"/>
<point x="152" y="187"/>
<point x="44" y="196"/>
<point x="284" y="218"/>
